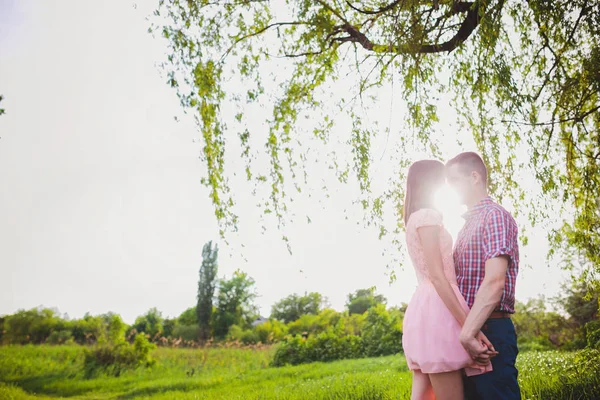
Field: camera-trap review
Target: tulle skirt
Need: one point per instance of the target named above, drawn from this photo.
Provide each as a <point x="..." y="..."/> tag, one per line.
<point x="430" y="335"/>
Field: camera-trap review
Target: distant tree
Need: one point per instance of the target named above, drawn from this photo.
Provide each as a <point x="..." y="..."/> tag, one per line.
<point x="314" y="324"/>
<point x="206" y="288"/>
<point x="362" y="300"/>
<point x="402" y="308"/>
<point x="188" y="317"/>
<point x="87" y="330"/>
<point x="235" y="303"/>
<point x="2" y="319"/>
<point x="535" y="324"/>
<point x="114" y="328"/>
<point x="294" y="306"/>
<point x="382" y="332"/>
<point x="1" y="109"/>
<point x="580" y="300"/>
<point x="187" y="332"/>
<point x="169" y="326"/>
<point x="45" y="325"/>
<point x="31" y="326"/>
<point x="150" y="323"/>
<point x="271" y="331"/>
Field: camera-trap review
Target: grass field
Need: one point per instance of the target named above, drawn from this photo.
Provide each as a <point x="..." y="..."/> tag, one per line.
<point x="46" y="372"/>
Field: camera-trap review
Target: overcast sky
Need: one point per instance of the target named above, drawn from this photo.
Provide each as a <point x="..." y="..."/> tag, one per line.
<point x="101" y="206"/>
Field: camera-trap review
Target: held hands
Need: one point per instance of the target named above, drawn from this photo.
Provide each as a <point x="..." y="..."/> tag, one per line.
<point x="490" y="350"/>
<point x="479" y="348"/>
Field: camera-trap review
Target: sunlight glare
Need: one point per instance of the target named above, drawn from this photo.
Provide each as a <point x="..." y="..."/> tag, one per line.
<point x="446" y="200"/>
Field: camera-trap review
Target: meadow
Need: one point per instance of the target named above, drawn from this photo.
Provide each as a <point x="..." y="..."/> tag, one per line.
<point x="50" y="372"/>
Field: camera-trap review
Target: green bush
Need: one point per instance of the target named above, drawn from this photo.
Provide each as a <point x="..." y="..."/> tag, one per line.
<point x="87" y="330"/>
<point x="39" y="326"/>
<point x="314" y="324"/>
<point x="535" y="345"/>
<point x="60" y="337"/>
<point x="270" y="331"/>
<point x="326" y="346"/>
<point x="188" y="317"/>
<point x="114" y="328"/>
<point x="245" y="336"/>
<point x="115" y="358"/>
<point x="578" y="342"/>
<point x="186" y="332"/>
<point x="382" y="332"/>
<point x="150" y="323"/>
<point x="292" y="351"/>
<point x="31" y="326"/>
<point x="250" y="337"/>
<point x="235" y="333"/>
<point x="354" y="324"/>
<point x="592" y="333"/>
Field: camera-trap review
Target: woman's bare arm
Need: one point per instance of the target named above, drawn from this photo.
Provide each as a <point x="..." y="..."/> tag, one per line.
<point x="430" y="240"/>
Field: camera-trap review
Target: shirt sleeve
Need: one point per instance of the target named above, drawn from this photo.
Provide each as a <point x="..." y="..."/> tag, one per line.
<point x="427" y="217"/>
<point x="499" y="235"/>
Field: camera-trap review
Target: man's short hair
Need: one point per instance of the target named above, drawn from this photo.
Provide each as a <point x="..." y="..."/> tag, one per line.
<point x="468" y="162"/>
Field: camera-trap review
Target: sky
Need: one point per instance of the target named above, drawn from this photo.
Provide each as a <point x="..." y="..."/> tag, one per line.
<point x="101" y="205"/>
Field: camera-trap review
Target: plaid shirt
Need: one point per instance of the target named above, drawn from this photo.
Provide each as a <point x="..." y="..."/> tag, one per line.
<point x="489" y="231"/>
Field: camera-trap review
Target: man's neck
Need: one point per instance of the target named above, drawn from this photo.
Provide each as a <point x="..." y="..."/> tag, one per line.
<point x="476" y="199"/>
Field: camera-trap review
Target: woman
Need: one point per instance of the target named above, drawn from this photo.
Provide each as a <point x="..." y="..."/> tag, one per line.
<point x="437" y="310"/>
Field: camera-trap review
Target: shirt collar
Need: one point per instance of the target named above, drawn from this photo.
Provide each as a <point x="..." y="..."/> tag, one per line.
<point x="477" y="208"/>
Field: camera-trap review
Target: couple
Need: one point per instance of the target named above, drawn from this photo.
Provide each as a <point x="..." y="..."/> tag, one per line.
<point x="458" y="339"/>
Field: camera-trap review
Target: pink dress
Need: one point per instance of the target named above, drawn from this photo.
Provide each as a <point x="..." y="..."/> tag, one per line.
<point x="430" y="331"/>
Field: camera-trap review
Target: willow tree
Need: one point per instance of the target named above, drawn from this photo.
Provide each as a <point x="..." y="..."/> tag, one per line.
<point x="524" y="77"/>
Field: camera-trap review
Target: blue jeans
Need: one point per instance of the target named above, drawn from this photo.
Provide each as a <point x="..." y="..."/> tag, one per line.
<point x="501" y="383"/>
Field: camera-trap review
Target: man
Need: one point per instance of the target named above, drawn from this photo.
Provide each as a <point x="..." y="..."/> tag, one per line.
<point x="486" y="258"/>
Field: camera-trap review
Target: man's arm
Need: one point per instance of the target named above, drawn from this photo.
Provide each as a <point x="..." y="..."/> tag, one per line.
<point x="487" y="298"/>
<point x="499" y="242"/>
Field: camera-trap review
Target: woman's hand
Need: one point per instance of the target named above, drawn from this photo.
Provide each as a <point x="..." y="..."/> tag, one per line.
<point x="491" y="351"/>
<point x="476" y="349"/>
<point x="486" y="342"/>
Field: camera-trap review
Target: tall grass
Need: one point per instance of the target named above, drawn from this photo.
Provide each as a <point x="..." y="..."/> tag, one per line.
<point x="30" y="372"/>
<point x="560" y="375"/>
